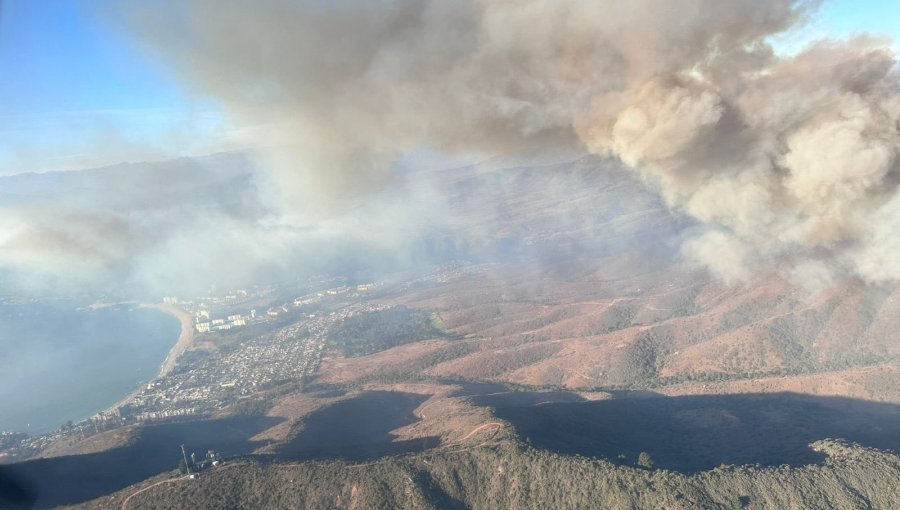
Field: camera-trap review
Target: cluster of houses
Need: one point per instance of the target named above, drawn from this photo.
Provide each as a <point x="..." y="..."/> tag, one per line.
<point x="204" y="324"/>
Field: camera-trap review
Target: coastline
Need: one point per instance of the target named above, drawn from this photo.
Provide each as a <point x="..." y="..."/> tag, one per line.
<point x="185" y="340"/>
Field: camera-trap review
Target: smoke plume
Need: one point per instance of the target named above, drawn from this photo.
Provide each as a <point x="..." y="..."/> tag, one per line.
<point x="787" y="159"/>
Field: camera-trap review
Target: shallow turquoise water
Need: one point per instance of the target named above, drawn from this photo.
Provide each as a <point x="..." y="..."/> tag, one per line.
<point x="60" y="361"/>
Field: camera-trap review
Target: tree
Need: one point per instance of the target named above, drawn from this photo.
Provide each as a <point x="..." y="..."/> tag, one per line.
<point x="182" y="467"/>
<point x="644" y="460"/>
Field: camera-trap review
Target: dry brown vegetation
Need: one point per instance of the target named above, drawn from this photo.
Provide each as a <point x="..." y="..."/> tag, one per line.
<point x="96" y="443"/>
<point x="646" y="328"/>
<point x="590" y="301"/>
<point x="650" y="327"/>
<point x="510" y="476"/>
<point x="441" y="415"/>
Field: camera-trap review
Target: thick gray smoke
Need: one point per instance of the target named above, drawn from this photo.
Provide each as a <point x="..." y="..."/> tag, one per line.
<point x="788" y="159"/>
<point x="785" y="157"/>
<point x="180" y="226"/>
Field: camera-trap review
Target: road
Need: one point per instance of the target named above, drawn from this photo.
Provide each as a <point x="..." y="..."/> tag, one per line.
<point x="163" y="482"/>
<point x="481" y="427"/>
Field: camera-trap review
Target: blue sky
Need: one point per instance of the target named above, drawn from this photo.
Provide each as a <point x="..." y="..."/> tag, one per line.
<point x="75" y="92"/>
<point x="845" y="18"/>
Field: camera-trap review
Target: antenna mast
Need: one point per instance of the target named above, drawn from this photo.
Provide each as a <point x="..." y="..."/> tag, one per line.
<point x="188" y="466"/>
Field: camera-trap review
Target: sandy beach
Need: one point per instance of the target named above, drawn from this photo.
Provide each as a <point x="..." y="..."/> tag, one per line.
<point x="185" y="339"/>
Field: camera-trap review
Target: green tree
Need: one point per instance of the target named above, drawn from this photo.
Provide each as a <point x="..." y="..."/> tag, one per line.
<point x="737" y="502"/>
<point x="182" y="467"/>
<point x="644" y="460"/>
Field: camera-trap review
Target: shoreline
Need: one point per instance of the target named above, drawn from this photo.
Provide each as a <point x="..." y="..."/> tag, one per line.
<point x="185" y="340"/>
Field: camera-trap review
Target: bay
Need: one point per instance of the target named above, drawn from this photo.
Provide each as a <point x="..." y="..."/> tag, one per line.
<point x="61" y="361"/>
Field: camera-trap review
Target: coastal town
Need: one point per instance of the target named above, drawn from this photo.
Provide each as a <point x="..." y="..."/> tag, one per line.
<point x="227" y="354"/>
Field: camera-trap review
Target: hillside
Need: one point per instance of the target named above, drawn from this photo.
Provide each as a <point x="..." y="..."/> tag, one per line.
<point x="622" y="322"/>
<point x="565" y="338"/>
<point x="513" y="476"/>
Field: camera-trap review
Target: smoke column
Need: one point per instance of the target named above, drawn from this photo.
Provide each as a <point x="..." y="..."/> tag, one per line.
<point x="786" y="159"/>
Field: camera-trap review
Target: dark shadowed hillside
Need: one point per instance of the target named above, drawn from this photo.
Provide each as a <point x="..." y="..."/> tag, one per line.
<point x="516" y="477"/>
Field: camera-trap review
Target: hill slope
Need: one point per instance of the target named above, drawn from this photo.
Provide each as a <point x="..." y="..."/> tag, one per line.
<point x="510" y="476"/>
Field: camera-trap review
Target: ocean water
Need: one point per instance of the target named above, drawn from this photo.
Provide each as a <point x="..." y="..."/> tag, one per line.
<point x="60" y="361"/>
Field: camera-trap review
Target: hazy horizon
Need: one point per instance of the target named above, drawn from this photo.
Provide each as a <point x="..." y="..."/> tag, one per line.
<point x="331" y="155"/>
<point x="468" y="254"/>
